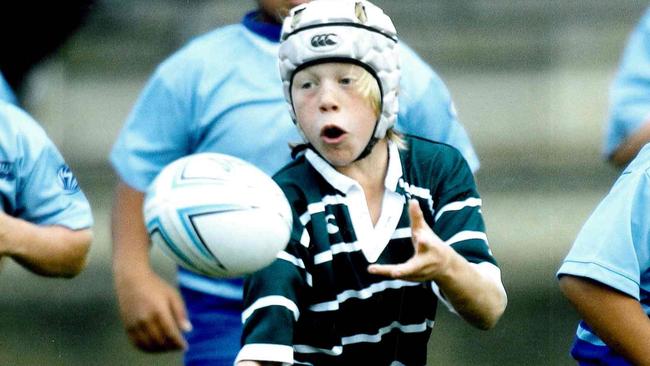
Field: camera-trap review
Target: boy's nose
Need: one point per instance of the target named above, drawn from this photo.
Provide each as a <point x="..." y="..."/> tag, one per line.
<point x="328" y="101"/>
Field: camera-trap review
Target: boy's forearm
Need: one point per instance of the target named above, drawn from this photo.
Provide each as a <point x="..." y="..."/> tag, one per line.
<point x="618" y="319"/>
<point x="475" y="292"/>
<point x="45" y="250"/>
<point x="130" y="239"/>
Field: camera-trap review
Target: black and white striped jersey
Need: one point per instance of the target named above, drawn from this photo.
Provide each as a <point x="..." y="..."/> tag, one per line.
<point x="317" y="304"/>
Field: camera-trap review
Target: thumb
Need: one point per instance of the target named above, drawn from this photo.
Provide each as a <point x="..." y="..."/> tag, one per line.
<point x="180" y="315"/>
<point x="422" y="234"/>
<point x="416" y="215"/>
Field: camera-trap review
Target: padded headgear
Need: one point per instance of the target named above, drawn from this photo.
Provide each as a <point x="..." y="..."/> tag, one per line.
<point x="353" y="31"/>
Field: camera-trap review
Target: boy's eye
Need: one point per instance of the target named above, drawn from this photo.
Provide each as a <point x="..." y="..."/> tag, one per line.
<point x="346" y="81"/>
<point x="306" y="85"/>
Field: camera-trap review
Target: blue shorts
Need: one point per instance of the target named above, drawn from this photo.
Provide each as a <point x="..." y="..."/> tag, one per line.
<point x="216" y="329"/>
<point x="588" y="354"/>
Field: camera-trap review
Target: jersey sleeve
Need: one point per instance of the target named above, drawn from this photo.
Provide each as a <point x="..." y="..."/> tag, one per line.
<point x="272" y="307"/>
<point x="612" y="246"/>
<point x="457" y="218"/>
<point x="427" y="109"/>
<point x="48" y="192"/>
<point x="457" y="214"/>
<point x="158" y="129"/>
<point x="629" y="105"/>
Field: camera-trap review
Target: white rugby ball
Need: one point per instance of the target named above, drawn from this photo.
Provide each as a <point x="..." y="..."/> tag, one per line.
<point x="217" y="215"/>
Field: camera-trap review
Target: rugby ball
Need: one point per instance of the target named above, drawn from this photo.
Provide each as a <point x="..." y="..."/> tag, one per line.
<point x="217" y="215"/>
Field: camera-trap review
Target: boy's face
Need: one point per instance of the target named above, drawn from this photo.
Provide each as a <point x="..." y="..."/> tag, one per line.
<point x="278" y="9"/>
<point x="333" y="113"/>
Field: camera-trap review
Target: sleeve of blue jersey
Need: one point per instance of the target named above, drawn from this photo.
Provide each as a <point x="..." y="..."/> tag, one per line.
<point x="612" y="246"/>
<point x="157" y="131"/>
<point x="43" y="197"/>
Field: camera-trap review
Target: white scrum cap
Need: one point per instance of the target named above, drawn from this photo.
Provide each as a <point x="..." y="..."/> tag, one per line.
<point x="353" y="31"/>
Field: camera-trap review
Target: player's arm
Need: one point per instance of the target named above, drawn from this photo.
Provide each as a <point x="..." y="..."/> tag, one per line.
<point x="46" y="250"/>
<point x="272" y="303"/>
<point x="629" y="126"/>
<point x="616" y="318"/>
<point x="152" y="311"/>
<point x="475" y="294"/>
<point x="629" y="148"/>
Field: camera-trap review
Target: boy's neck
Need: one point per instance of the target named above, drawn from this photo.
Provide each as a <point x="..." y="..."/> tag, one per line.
<point x="370" y="173"/>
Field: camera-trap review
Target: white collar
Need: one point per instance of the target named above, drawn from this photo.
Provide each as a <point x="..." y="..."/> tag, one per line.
<point x="344" y="183"/>
<point x="371" y="239"/>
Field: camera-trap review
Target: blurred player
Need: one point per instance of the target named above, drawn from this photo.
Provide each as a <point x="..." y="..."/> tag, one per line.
<point x="45" y="220"/>
<point x="362" y="194"/>
<point x="606" y="275"/>
<point x="629" y="116"/>
<point x="222" y="93"/>
<point x="33" y="31"/>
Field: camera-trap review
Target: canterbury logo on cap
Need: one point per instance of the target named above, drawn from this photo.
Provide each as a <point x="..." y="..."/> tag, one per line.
<point x="322" y="40"/>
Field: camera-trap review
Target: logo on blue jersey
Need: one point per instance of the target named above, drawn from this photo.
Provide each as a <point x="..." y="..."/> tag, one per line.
<point x="67" y="179"/>
<point x="7" y="170"/>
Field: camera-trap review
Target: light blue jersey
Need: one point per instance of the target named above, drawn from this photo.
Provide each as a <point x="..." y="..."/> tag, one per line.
<point x="613" y="248"/>
<point x="630" y="92"/>
<point x="36" y="185"/>
<point x="6" y="93"/>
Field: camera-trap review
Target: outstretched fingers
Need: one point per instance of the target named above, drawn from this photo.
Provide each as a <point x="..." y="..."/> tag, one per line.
<point x="410" y="270"/>
<point x="431" y="255"/>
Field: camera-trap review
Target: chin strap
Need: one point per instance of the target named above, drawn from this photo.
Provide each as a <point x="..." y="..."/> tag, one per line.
<point x="373" y="141"/>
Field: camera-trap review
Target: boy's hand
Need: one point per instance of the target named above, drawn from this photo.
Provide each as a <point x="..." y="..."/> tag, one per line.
<point x="153" y="313"/>
<point x="432" y="256"/>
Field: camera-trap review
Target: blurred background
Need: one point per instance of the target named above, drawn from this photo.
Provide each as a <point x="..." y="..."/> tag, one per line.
<point x="530" y="80"/>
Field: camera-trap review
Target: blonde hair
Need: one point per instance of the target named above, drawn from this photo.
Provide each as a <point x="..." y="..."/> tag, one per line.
<point x="368" y="87"/>
<point x="397" y="138"/>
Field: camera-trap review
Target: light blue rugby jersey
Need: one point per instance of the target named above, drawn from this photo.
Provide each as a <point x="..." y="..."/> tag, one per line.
<point x="6" y="93"/>
<point x="223" y="93"/>
<point x="613" y="247"/>
<point x="630" y="92"/>
<point x="35" y="183"/>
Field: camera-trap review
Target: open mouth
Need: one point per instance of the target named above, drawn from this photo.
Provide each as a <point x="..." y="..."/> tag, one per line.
<point x="332" y="133"/>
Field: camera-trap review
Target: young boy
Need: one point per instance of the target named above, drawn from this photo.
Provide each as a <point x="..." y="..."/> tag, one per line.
<point x="218" y="93"/>
<point x="606" y="275"/>
<point x="45" y="218"/>
<point x="358" y="282"/>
